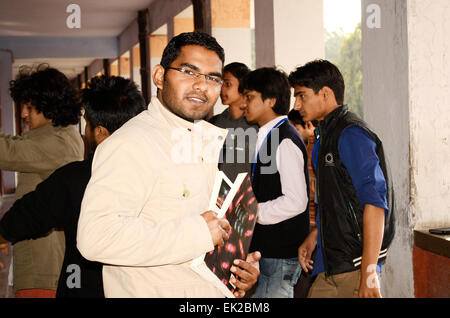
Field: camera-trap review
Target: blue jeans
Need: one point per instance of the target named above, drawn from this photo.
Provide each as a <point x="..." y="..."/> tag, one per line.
<point x="277" y="278"/>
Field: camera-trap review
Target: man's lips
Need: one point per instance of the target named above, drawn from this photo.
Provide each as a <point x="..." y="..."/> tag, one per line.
<point x="197" y="99"/>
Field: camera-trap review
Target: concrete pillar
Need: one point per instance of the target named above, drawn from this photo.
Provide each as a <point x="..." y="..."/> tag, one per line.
<point x="106" y="68"/>
<point x="144" y="46"/>
<point x="264" y="33"/>
<point x="386" y="109"/>
<point x="202" y="16"/>
<point x="7" y="113"/>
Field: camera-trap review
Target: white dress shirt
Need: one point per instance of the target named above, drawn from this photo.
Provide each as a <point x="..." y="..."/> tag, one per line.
<point x="290" y="165"/>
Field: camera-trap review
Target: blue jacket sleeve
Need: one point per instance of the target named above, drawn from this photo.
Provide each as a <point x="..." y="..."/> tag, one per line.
<point x="358" y="154"/>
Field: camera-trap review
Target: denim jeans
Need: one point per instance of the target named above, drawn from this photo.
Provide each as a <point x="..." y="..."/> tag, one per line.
<point x="277" y="278"/>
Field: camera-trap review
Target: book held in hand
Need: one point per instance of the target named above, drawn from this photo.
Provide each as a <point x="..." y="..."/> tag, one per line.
<point x="236" y="202"/>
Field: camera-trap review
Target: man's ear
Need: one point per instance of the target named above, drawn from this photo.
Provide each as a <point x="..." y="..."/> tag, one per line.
<point x="327" y="92"/>
<point x="100" y="134"/>
<point x="272" y="101"/>
<point x="158" y="76"/>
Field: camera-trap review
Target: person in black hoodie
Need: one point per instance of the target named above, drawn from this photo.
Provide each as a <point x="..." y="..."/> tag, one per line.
<point x="108" y="102"/>
<point x="355" y="223"/>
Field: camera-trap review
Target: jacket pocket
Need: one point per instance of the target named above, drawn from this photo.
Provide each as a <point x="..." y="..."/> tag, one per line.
<point x="354" y="221"/>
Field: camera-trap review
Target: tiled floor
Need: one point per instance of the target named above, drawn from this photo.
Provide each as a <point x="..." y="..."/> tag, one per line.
<point x="5" y="290"/>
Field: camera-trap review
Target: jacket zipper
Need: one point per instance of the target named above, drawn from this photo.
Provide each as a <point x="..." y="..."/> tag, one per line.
<point x="355" y="221"/>
<point x="318" y="199"/>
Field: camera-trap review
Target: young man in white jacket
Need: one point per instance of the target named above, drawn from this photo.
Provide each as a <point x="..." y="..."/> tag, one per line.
<point x="145" y="208"/>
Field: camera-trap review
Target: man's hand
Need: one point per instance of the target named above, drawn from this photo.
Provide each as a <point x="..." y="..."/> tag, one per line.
<point x="246" y="272"/>
<point x="370" y="285"/>
<point x="218" y="228"/>
<point x="373" y="227"/>
<point x="309" y="127"/>
<point x="306" y="249"/>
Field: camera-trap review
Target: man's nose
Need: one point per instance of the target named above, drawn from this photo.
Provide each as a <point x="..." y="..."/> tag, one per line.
<point x="24" y="113"/>
<point x="201" y="83"/>
<point x="243" y="102"/>
<point x="297" y="104"/>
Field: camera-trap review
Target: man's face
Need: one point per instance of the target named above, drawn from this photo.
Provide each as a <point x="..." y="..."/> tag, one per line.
<point x="302" y="131"/>
<point x="187" y="96"/>
<point x="230" y="95"/>
<point x="230" y="90"/>
<point x="32" y="118"/>
<point x="255" y="108"/>
<point x="310" y="105"/>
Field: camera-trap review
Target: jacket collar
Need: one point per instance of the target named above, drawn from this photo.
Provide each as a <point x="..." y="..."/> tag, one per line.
<point x="171" y="120"/>
<point x="330" y="119"/>
<point x="209" y="135"/>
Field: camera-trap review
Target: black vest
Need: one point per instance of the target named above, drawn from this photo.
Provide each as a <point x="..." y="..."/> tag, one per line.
<point x="279" y="240"/>
<point x="341" y="214"/>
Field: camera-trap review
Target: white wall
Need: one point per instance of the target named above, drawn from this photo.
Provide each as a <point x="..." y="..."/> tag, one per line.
<point x="429" y="69"/>
<point x="299" y="32"/>
<point x="237" y="45"/>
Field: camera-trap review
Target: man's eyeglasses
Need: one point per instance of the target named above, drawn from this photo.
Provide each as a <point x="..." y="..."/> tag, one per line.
<point x="215" y="80"/>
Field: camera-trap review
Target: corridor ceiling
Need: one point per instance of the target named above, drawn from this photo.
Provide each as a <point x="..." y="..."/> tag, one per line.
<point x="47" y="18"/>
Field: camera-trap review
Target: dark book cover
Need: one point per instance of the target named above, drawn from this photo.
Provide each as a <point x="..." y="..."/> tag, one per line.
<point x="241" y="214"/>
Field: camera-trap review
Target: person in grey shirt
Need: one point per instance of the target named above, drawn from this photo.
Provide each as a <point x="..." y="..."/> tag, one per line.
<point x="238" y="150"/>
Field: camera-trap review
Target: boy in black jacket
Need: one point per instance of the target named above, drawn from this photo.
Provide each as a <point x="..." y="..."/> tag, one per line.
<point x="355" y="223"/>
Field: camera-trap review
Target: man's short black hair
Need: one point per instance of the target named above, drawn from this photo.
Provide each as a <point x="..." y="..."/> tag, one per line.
<point x="50" y="92"/>
<point x="296" y="118"/>
<point x="111" y="101"/>
<point x="238" y="70"/>
<point x="173" y="48"/>
<point x="318" y="74"/>
<point x="270" y="83"/>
